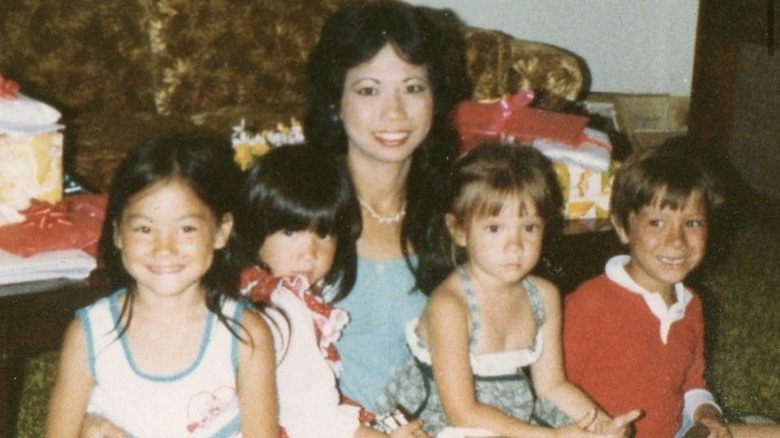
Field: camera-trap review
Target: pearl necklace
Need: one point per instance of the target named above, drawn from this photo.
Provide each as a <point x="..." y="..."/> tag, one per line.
<point x="385" y="220"/>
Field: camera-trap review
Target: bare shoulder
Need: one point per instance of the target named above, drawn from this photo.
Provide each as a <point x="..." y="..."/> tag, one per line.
<point x="547" y="289"/>
<point x="75" y="328"/>
<point x="75" y="336"/>
<point x="444" y="324"/>
<point x="257" y="329"/>
<point x="448" y="297"/>
<point x="446" y="306"/>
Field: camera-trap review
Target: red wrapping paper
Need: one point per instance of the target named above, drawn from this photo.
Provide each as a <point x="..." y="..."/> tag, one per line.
<point x="73" y="223"/>
<point x="512" y="119"/>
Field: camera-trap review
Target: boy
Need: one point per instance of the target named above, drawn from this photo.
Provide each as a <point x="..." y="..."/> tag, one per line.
<point x="633" y="336"/>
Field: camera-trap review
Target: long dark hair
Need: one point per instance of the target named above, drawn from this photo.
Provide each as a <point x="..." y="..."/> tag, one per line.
<point x="209" y="170"/>
<point x="296" y="188"/>
<point x="354" y="35"/>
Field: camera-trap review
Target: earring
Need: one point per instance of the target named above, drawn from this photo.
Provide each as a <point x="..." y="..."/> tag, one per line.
<point x="334" y="115"/>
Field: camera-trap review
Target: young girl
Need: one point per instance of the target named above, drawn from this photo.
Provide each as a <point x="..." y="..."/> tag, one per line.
<point x="300" y="222"/>
<point x="172" y="352"/>
<point x="488" y="342"/>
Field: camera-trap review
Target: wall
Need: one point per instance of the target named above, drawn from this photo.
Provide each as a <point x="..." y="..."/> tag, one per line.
<point x="630" y="46"/>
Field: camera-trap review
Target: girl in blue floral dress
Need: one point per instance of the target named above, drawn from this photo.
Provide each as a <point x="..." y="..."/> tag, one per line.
<point x="487" y="346"/>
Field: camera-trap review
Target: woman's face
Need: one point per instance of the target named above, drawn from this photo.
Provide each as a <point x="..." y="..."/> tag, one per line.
<point x="386" y="108"/>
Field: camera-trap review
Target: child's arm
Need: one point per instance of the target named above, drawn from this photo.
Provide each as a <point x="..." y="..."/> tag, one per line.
<point x="549" y="377"/>
<point x="98" y="427"/>
<point x="72" y="387"/>
<point x="256" y="380"/>
<point x="699" y="403"/>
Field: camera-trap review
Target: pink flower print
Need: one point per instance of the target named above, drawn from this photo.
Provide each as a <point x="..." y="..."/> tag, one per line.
<point x="205" y="406"/>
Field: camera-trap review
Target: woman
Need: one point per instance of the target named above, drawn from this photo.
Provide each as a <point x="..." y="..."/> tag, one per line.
<point x="380" y="95"/>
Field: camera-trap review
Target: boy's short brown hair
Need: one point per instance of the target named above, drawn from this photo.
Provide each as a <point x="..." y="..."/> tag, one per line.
<point x="666" y="174"/>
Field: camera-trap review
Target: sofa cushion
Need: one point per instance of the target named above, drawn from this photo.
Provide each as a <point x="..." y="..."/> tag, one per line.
<point x="551" y="69"/>
<point x="499" y="64"/>
<point x="232" y="52"/>
<point x="40" y="372"/>
<point x="78" y="54"/>
<point x="487" y="62"/>
<point x="97" y="142"/>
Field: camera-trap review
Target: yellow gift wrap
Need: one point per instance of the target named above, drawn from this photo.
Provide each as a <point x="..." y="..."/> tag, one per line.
<point x="30" y="168"/>
<point x="586" y="192"/>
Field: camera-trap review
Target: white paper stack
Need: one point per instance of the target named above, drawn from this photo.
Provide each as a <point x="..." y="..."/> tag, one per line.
<point x="593" y="153"/>
<point x="71" y="263"/>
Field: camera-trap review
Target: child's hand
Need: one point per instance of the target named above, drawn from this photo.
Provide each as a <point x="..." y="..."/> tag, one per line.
<point x="579" y="428"/>
<point x="717" y="429"/>
<point x="620" y="425"/>
<point x="595" y="423"/>
<point x="99" y="427"/>
<point x="411" y="430"/>
<point x="708" y="419"/>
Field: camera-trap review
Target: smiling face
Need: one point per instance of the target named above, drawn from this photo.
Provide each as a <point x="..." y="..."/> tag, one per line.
<point x="298" y="252"/>
<point x="665" y="244"/>
<point x="502" y="248"/>
<point x="386" y="108"/>
<point x="167" y="237"/>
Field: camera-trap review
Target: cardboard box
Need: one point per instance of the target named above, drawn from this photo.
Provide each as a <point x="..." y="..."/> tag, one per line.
<point x="647" y="119"/>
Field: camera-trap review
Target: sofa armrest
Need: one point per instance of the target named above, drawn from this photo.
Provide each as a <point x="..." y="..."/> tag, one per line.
<point x="499" y="64"/>
<point x="40" y="372"/>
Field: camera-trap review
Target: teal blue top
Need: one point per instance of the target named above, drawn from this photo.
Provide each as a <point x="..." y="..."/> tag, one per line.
<point x="373" y="344"/>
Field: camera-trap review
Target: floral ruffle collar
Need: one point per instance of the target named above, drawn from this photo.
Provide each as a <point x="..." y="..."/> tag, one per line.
<point x="258" y="285"/>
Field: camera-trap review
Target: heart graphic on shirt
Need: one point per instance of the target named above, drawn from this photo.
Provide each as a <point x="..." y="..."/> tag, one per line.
<point x="205" y="406"/>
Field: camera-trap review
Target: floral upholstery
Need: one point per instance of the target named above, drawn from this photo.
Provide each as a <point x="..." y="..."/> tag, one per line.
<point x="79" y="55"/>
<point x="39" y="374"/>
<point x="226" y="52"/>
<point x="124" y="70"/>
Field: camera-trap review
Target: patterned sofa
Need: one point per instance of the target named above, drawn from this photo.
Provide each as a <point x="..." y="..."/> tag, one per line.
<point x="121" y="71"/>
<point x="124" y="70"/>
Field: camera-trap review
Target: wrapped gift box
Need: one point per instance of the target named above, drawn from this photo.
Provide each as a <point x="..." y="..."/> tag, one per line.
<point x="586" y="192"/>
<point x="30" y="168"/>
<point x="30" y="153"/>
<point x="512" y="119"/>
<point x="73" y="223"/>
<point x="594" y="150"/>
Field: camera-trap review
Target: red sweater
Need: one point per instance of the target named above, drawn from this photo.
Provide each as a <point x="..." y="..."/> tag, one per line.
<point x="614" y="352"/>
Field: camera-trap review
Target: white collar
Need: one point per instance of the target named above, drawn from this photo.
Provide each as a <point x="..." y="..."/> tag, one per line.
<point x="616" y="271"/>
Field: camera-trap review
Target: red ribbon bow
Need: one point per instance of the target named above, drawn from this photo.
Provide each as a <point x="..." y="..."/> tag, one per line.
<point x="508" y="106"/>
<point x="8" y="89"/>
<point x="43" y="215"/>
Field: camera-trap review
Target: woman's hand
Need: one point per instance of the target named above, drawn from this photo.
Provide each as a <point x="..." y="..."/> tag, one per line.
<point x="99" y="427"/>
